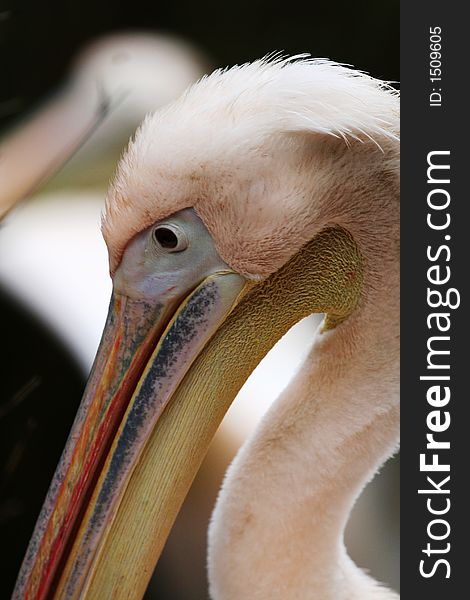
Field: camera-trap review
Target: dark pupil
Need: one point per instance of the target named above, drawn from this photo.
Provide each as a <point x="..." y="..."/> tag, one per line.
<point x="166" y="237"/>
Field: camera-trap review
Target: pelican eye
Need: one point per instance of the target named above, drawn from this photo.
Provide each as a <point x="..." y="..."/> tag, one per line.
<point x="170" y="238"/>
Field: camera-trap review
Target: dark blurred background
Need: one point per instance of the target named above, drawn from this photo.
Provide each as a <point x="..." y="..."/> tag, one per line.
<point x="38" y="39"/>
<point x="41" y="377"/>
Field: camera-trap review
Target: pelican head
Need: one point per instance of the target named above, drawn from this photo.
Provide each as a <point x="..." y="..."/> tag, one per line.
<point x="265" y="193"/>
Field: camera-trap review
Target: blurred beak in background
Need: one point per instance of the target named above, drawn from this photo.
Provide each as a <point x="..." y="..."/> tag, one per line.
<point x="113" y="83"/>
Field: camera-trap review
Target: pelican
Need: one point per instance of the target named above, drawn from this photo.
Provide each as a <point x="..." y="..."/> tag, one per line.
<point x="266" y="193"/>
